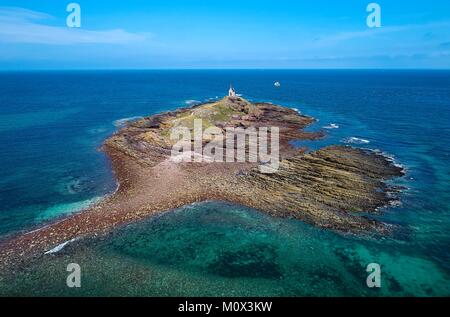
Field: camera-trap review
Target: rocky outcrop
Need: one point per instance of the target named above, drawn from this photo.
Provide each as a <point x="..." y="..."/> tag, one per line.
<point x="335" y="187"/>
<point x="327" y="188"/>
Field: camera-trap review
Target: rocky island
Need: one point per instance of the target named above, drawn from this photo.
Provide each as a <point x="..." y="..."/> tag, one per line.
<point x="334" y="187"/>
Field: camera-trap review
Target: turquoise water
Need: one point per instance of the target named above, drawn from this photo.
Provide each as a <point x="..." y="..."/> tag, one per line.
<point x="51" y="125"/>
<point x="220" y="249"/>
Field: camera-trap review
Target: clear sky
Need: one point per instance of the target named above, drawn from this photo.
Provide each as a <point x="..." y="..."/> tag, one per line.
<point x="224" y="34"/>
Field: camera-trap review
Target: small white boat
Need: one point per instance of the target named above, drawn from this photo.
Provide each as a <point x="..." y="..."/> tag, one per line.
<point x="277" y="84"/>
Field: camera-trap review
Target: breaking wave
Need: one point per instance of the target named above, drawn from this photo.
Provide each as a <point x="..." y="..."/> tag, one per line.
<point x="61" y="246"/>
<point x="331" y="126"/>
<point x="122" y="122"/>
<point x="355" y="140"/>
<point x="192" y="102"/>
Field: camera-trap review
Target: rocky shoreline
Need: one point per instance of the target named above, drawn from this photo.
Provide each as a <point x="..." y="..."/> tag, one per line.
<point x="333" y="187"/>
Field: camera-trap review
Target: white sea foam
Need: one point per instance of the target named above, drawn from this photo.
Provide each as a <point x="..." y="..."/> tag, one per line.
<point x="331" y="126"/>
<point x="192" y="102"/>
<point x="122" y="122"/>
<point x="61" y="246"/>
<point x="295" y="109"/>
<point x="355" y="140"/>
<point x="391" y="158"/>
<point x="395" y="203"/>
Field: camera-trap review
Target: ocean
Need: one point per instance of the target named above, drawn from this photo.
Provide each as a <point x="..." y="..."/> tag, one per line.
<point x="52" y="125"/>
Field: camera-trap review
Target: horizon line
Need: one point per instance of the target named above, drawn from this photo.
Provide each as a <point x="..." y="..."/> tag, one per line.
<point x="217" y="68"/>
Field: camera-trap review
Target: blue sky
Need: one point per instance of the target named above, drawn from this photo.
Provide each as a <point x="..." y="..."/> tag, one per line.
<point x="224" y="34"/>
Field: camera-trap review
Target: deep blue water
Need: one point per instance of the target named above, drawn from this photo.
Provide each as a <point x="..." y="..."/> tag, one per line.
<point x="52" y="123"/>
